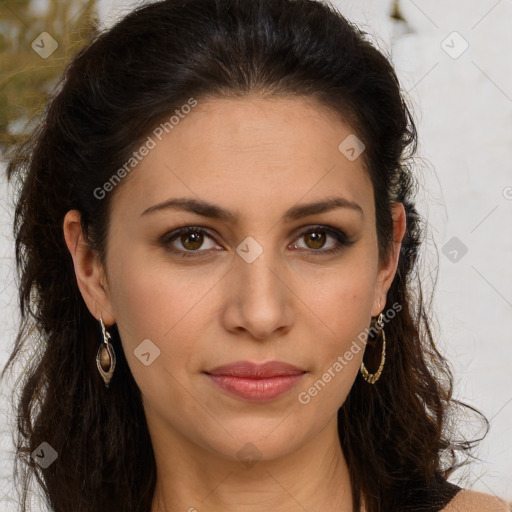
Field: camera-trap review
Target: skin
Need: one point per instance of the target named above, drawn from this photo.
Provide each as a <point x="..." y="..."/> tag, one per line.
<point x="257" y="158"/>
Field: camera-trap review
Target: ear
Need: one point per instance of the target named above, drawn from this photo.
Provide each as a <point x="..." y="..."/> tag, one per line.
<point x="387" y="271"/>
<point x="90" y="274"/>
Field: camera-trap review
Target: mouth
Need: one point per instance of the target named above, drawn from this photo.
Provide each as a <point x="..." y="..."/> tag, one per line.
<point x="256" y="382"/>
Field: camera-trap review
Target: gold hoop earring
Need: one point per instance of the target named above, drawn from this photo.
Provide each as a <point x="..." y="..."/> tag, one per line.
<point x="105" y="357"/>
<point x="372" y="378"/>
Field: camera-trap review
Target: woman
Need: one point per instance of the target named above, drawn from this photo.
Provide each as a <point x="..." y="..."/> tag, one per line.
<point x="217" y="241"/>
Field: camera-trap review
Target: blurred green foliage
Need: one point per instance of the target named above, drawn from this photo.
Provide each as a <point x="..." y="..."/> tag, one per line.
<point x="26" y="78"/>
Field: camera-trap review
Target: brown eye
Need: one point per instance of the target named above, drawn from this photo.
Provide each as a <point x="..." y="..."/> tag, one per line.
<point x="316" y="239"/>
<point x="189" y="241"/>
<point x="192" y="240"/>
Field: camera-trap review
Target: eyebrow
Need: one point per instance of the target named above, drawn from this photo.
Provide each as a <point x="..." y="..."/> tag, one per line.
<point x="213" y="211"/>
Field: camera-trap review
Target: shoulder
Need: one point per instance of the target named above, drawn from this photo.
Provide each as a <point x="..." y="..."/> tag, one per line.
<point x="473" y="501"/>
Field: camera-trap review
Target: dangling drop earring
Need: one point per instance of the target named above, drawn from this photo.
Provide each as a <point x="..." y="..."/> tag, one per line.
<point x="106" y="357"/>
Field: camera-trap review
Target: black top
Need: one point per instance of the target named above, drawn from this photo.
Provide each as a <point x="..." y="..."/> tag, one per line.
<point x="433" y="499"/>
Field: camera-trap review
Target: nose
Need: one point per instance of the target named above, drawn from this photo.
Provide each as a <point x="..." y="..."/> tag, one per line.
<point x="258" y="298"/>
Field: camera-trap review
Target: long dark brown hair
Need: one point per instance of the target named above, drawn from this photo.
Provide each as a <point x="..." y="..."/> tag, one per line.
<point x="396" y="435"/>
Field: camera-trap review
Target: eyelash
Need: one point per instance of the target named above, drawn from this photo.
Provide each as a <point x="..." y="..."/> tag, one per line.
<point x="338" y="235"/>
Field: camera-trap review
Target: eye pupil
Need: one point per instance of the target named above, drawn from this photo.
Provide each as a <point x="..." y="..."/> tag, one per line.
<point x="318" y="239"/>
<point x="197" y="240"/>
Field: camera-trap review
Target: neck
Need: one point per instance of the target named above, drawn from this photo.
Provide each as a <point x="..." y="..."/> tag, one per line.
<point x="314" y="478"/>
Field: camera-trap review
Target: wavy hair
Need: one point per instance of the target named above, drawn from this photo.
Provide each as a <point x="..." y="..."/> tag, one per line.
<point x="396" y="435"/>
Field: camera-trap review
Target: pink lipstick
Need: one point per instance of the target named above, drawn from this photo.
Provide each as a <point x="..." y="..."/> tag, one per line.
<point x="256" y="382"/>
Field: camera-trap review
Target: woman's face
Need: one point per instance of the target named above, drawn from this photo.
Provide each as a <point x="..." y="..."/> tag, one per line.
<point x="266" y="280"/>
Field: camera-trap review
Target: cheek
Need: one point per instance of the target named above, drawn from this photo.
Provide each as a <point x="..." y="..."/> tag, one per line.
<point x="150" y="298"/>
<point x="338" y="352"/>
<point x="340" y="297"/>
<point x="153" y="302"/>
<point x="340" y="306"/>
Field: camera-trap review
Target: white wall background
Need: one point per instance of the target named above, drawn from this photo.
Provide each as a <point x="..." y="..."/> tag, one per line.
<point x="462" y="102"/>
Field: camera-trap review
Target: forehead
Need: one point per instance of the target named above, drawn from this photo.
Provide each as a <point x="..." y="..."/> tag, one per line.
<point x="249" y="153"/>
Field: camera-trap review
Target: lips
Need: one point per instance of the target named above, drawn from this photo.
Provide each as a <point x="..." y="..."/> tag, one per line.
<point x="251" y="370"/>
<point x="256" y="382"/>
